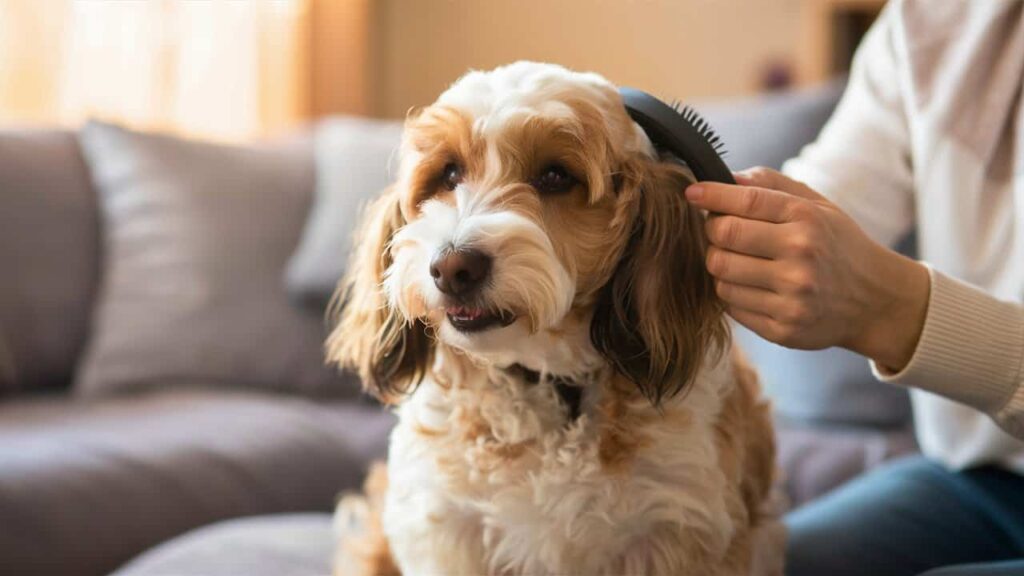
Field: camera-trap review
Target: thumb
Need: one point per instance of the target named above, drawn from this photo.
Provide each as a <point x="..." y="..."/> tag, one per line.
<point x="774" y="180"/>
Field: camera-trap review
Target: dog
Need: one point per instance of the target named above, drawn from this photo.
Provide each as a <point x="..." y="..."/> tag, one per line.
<point x="531" y="297"/>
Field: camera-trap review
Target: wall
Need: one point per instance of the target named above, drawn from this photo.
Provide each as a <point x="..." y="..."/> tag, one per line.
<point x="687" y="49"/>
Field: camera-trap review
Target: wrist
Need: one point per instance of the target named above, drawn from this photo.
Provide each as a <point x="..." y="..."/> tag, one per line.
<point x="895" y="314"/>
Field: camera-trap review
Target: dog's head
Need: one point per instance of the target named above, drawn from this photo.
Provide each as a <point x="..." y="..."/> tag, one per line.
<point x="528" y="204"/>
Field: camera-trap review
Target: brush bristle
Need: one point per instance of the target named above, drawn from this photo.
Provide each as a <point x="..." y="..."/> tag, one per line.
<point x="697" y="121"/>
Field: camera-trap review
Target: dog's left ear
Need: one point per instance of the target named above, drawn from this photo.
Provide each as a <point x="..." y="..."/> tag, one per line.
<point x="658" y="317"/>
<point x="390" y="353"/>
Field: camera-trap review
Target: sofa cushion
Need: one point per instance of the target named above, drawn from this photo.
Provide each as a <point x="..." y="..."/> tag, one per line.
<point x="86" y="486"/>
<point x="196" y="238"/>
<point x="813" y="461"/>
<point x="48" y="257"/>
<point x="353" y="164"/>
<point x="292" y="545"/>
<point x="768" y="129"/>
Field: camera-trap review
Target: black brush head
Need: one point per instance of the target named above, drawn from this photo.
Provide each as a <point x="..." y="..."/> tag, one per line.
<point x="681" y="131"/>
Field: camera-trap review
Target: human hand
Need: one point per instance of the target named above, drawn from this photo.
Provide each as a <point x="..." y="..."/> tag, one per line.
<point x="795" y="269"/>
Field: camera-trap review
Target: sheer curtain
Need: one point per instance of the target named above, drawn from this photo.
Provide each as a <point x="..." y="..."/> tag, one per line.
<point x="222" y="69"/>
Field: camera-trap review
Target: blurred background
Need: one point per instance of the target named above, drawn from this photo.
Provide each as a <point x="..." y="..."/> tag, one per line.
<point x="235" y="70"/>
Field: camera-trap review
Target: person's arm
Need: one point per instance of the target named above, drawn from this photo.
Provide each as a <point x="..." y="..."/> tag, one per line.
<point x="809" y="270"/>
<point x="794" y="268"/>
<point x="971" y="350"/>
<point x="860" y="164"/>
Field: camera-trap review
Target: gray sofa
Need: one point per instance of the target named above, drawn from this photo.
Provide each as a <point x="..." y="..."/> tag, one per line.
<point x="88" y="481"/>
<point x="92" y="475"/>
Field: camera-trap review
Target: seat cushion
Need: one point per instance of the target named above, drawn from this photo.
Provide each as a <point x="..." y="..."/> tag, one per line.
<point x="86" y="486"/>
<point x="813" y="461"/>
<point x="49" y="254"/>
<point x="196" y="238"/>
<point x="292" y="545"/>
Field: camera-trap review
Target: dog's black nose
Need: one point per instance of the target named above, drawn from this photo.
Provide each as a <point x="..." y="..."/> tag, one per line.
<point x="460" y="272"/>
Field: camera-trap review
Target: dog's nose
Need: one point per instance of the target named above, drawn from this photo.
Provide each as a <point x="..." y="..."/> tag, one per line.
<point x="460" y="272"/>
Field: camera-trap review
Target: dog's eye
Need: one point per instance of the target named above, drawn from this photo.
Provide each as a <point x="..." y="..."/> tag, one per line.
<point x="451" y="176"/>
<point x="554" y="179"/>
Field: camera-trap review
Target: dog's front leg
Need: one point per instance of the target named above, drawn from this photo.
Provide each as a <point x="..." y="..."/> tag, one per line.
<point x="430" y="535"/>
<point x="431" y="530"/>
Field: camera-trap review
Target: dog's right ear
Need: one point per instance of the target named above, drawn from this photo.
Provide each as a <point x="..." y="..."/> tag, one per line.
<point x="390" y="353"/>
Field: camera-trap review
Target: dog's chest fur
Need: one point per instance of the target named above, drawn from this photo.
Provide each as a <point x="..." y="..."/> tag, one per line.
<point x="488" y="474"/>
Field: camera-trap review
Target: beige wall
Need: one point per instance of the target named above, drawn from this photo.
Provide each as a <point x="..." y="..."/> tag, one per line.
<point x="685" y="49"/>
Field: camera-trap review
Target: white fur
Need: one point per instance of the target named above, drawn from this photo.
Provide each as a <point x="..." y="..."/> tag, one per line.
<point x="527" y="276"/>
<point x="554" y="510"/>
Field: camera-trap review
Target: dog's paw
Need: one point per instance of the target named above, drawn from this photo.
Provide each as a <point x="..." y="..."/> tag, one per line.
<point x="351" y="515"/>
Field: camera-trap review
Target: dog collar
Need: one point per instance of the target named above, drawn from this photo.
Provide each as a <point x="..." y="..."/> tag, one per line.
<point x="569" y="392"/>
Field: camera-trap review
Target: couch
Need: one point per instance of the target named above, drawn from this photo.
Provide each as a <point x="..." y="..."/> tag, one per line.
<point x="117" y="444"/>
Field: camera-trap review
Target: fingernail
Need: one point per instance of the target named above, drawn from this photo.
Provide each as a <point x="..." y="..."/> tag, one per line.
<point x="694" y="193"/>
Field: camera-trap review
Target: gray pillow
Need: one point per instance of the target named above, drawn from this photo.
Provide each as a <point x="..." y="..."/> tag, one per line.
<point x="49" y="257"/>
<point x="353" y="164"/>
<point x="196" y="237"/>
<point x="769" y="129"/>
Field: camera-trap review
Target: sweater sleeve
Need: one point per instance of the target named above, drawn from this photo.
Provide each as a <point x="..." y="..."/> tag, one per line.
<point x="861" y="159"/>
<point x="971" y="350"/>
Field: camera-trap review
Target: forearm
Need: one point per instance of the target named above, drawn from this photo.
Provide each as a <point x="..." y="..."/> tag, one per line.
<point x="894" y="291"/>
<point x="971" y="350"/>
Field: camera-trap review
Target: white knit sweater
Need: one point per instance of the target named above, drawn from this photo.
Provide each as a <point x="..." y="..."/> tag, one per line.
<point x="930" y="133"/>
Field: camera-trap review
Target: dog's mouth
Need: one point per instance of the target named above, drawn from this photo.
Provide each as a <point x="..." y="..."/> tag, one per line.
<point x="472" y="319"/>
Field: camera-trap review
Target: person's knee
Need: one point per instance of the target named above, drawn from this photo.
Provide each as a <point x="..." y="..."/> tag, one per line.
<point x="854" y="529"/>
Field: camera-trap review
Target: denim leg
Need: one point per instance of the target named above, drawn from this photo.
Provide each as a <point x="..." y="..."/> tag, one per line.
<point x="1008" y="568"/>
<point x="908" y="517"/>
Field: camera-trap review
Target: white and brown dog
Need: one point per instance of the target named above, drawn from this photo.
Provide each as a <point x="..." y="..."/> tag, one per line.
<point x="531" y="296"/>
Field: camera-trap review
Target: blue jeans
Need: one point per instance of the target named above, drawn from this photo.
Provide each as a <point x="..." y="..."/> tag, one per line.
<point x="910" y="517"/>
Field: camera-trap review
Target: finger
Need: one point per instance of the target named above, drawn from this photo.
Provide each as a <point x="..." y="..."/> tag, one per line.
<point x="740" y="268"/>
<point x="746" y="201"/>
<point x="751" y="299"/>
<point x="762" y="177"/>
<point x="752" y="237"/>
<point x="763" y="326"/>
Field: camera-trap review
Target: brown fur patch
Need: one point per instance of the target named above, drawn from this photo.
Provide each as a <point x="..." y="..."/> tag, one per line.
<point x="620" y="428"/>
<point x="427" y="432"/>
<point x="473" y="428"/>
<point x="368" y="554"/>
<point x="746" y="449"/>
<point x="442" y="136"/>
<point x="509" y="451"/>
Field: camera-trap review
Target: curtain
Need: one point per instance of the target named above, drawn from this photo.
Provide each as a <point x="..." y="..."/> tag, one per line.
<point x="221" y="69"/>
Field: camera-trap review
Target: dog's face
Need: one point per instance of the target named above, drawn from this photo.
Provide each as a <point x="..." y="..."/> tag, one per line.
<point x="529" y="207"/>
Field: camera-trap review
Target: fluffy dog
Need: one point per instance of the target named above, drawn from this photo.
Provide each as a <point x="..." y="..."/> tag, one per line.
<point x="531" y="297"/>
